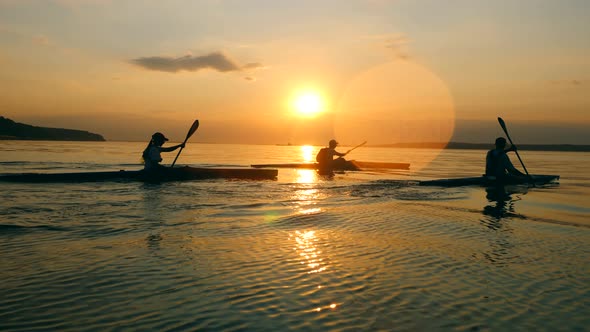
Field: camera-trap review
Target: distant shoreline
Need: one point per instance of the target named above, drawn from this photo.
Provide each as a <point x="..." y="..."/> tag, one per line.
<point x="13" y="138"/>
<point x="487" y="146"/>
<point x="11" y="130"/>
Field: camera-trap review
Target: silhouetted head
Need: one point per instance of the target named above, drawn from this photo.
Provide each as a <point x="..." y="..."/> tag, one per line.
<point x="500" y="142"/>
<point x="159" y="138"/>
<point x="333" y="143"/>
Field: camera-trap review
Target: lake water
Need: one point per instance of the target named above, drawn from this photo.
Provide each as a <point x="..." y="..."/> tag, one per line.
<point x="365" y="251"/>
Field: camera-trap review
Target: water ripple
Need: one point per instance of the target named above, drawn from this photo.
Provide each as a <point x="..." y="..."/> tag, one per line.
<point x="235" y="256"/>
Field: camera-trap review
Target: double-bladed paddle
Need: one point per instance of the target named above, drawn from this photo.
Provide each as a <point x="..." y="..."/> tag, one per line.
<point x="503" y="125"/>
<point x="188" y="135"/>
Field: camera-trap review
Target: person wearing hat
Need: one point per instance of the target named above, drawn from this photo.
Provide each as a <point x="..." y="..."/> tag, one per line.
<point x="151" y="154"/>
<point x="325" y="158"/>
<point x="498" y="163"/>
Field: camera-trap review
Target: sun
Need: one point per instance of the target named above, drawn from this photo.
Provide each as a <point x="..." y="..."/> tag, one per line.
<point x="308" y="104"/>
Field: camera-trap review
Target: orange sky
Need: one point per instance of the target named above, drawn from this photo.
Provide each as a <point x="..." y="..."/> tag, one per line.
<point x="386" y="71"/>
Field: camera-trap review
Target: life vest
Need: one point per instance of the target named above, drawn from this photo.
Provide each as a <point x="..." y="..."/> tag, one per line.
<point x="151" y="157"/>
<point x="323" y="156"/>
<point x="495" y="163"/>
<point x="145" y="155"/>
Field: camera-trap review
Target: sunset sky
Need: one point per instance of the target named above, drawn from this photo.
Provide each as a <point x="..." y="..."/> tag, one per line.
<point x="300" y="71"/>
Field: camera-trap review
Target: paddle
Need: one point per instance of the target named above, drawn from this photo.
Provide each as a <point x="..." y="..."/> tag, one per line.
<point x="503" y="125"/>
<point x="188" y="135"/>
<point x="358" y="146"/>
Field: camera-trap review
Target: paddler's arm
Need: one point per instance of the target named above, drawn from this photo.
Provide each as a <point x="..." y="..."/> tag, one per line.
<point x="339" y="154"/>
<point x="171" y="148"/>
<point x="511" y="148"/>
<point x="508" y="164"/>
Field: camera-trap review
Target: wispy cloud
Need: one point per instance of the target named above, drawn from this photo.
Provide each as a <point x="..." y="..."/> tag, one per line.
<point x="77" y="3"/>
<point x="9" y="2"/>
<point x="215" y="61"/>
<point x="570" y="82"/>
<point x="41" y="40"/>
<point x="396" y="44"/>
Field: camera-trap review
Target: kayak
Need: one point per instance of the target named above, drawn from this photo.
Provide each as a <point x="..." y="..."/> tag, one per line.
<point x="490" y="181"/>
<point x="348" y="165"/>
<point x="170" y="174"/>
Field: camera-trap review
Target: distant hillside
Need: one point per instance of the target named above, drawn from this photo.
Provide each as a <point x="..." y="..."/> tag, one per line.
<point x="19" y="131"/>
<point x="487" y="146"/>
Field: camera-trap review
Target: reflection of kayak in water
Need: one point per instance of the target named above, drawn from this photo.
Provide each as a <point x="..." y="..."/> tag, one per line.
<point x="490" y="181"/>
<point x="168" y="174"/>
<point x="346" y="165"/>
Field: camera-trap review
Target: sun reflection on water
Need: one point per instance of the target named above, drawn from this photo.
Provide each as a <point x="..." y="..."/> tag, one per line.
<point x="308" y="252"/>
<point x="314" y="264"/>
<point x="306" y="176"/>
<point x="331" y="306"/>
<point x="307" y="153"/>
<point x="306" y="195"/>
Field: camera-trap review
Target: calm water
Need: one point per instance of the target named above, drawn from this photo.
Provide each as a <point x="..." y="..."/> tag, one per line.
<point x="367" y="251"/>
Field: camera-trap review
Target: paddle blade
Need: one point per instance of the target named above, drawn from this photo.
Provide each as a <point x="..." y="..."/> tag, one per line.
<point x="502" y="123"/>
<point x="191" y="131"/>
<point x="188" y="135"/>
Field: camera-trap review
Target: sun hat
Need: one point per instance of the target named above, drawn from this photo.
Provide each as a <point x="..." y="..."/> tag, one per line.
<point x="159" y="136"/>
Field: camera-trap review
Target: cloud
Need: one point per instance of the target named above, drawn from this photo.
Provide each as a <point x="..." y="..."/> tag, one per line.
<point x="41" y="40"/>
<point x="79" y="3"/>
<point x="216" y="61"/>
<point x="396" y="44"/>
<point x="570" y="82"/>
<point x="10" y="2"/>
<point x="252" y="65"/>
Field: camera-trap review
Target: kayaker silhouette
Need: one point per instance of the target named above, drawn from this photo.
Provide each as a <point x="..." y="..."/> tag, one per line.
<point x="326" y="161"/>
<point x="151" y="154"/>
<point x="498" y="163"/>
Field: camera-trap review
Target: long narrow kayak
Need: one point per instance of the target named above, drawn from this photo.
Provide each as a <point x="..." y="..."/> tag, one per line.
<point x="487" y="181"/>
<point x="349" y="165"/>
<point x="171" y="174"/>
